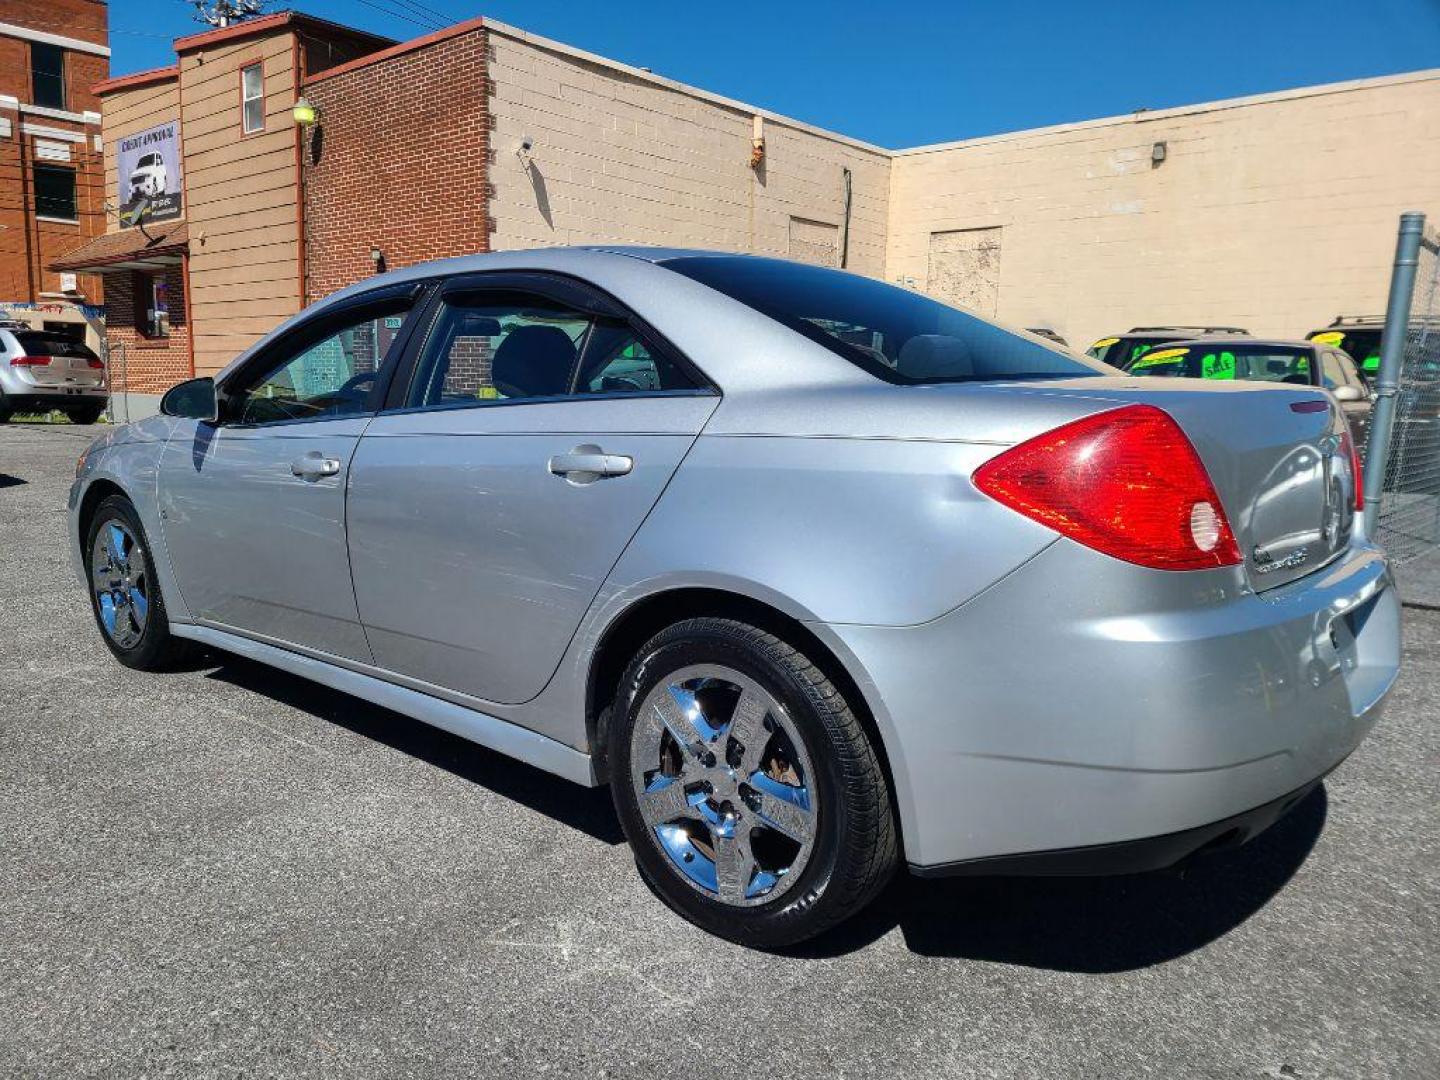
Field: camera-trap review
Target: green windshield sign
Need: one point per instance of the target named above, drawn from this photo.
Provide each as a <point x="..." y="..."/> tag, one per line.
<point x="1217" y="365"/>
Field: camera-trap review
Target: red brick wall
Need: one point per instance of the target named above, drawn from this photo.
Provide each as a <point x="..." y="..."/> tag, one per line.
<point x="83" y="19"/>
<point x="397" y="162"/>
<point x="146" y="365"/>
<point x="27" y="246"/>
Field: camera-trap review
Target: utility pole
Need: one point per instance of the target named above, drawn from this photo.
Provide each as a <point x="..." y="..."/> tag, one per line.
<point x="219" y="13"/>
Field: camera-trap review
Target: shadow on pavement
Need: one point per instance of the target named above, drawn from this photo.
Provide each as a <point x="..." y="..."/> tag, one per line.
<point x="6" y="480"/>
<point x="1097" y="924"/>
<point x="1080" y="924"/>
<point x="587" y="810"/>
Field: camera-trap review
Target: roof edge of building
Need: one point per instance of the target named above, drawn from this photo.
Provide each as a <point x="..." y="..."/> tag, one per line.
<point x="506" y="30"/>
<point x="266" y="23"/>
<point x="1142" y="116"/>
<point x="138" y="78"/>
<point x="398" y="49"/>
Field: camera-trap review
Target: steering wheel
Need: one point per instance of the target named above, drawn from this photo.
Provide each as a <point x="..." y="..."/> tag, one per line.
<point x="354" y="382"/>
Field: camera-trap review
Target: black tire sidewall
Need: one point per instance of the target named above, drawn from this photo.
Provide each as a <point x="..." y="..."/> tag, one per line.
<point x="149" y="651"/>
<point x="802" y="909"/>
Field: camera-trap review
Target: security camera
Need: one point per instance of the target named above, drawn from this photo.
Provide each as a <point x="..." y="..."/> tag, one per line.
<point x="526" y="144"/>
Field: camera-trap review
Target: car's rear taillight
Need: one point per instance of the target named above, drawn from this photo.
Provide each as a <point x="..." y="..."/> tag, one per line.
<point x="1357" y="472"/>
<point x="96" y="363"/>
<point x="1126" y="482"/>
<point x="30" y="361"/>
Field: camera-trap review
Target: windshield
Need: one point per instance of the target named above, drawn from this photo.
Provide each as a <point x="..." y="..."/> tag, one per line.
<point x="1121" y="352"/>
<point x="1262" y="363"/>
<point x="894" y="334"/>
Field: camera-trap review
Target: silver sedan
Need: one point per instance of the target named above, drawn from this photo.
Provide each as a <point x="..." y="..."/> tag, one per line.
<point x="820" y="575"/>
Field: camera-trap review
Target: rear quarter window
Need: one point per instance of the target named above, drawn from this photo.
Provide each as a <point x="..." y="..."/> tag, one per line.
<point x="894" y="334"/>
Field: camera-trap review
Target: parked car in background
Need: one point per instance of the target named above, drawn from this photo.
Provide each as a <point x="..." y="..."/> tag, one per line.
<point x="848" y="578"/>
<point x="41" y="371"/>
<point x="1298" y="363"/>
<point x="1359" y="336"/>
<point x="1124" y="349"/>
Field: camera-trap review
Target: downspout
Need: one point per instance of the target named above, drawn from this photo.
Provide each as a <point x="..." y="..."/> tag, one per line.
<point x="189" y="322"/>
<point x="845" y="222"/>
<point x="296" y="68"/>
<point x="31" y="223"/>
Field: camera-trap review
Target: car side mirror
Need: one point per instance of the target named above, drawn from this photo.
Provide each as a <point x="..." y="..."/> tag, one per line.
<point x="194" y="399"/>
<point x="1348" y="393"/>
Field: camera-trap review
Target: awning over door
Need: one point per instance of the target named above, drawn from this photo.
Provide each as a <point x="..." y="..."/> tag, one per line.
<point x="130" y="249"/>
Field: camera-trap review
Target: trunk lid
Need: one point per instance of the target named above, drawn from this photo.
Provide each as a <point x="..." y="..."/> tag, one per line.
<point x="1275" y="454"/>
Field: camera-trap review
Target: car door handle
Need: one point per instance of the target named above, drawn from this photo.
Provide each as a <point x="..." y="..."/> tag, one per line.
<point x="588" y="463"/>
<point x="314" y="465"/>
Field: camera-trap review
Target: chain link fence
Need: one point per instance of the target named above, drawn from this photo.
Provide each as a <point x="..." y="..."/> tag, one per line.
<point x="1408" y="522"/>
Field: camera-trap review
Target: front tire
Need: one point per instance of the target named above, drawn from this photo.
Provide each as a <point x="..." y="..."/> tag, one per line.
<point x="124" y="593"/>
<point x="750" y="792"/>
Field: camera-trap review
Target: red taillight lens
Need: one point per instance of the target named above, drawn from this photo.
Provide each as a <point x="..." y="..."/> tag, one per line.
<point x="1126" y="482"/>
<point x="30" y="361"/>
<point x="1347" y="445"/>
<point x="96" y="363"/>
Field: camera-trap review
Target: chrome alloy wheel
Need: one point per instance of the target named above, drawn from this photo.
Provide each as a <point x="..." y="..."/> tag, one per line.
<point x="122" y="590"/>
<point x="724" y="784"/>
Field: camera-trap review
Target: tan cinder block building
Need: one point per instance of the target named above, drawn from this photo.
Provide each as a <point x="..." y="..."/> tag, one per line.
<point x="1274" y="212"/>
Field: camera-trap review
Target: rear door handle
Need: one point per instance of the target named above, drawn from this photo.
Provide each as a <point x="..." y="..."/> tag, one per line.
<point x="588" y="463"/>
<point x="314" y="465"/>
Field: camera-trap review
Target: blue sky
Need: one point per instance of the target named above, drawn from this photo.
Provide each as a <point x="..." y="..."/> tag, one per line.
<point x="906" y="73"/>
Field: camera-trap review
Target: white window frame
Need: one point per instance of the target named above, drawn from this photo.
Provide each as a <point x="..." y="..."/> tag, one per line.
<point x="246" y="98"/>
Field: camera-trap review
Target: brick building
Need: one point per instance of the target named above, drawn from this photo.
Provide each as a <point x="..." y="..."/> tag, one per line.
<point x="51" y="173"/>
<point x="197" y="272"/>
<point x="1275" y="211"/>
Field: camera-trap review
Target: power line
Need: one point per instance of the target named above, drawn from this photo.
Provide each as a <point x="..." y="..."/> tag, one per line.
<point x="415" y="19"/>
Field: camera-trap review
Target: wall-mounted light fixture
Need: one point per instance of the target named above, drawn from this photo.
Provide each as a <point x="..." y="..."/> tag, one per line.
<point x="523" y="148"/>
<point x="757" y="142"/>
<point x="377" y="257"/>
<point x="1158" y="153"/>
<point x="305" y="114"/>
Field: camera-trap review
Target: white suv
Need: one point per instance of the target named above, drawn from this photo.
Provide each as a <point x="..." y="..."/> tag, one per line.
<point x="41" y="370"/>
<point x="148" y="179"/>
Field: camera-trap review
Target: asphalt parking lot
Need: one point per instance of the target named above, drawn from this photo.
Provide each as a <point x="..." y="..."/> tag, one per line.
<point x="228" y="872"/>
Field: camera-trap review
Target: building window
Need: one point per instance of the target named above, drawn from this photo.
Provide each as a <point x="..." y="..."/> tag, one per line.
<point x="152" y="306"/>
<point x="252" y="98"/>
<point x="55" y="193"/>
<point x="47" y="75"/>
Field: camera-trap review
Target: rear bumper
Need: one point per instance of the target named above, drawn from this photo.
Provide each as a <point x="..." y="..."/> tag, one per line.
<point x="1130" y="856"/>
<point x="45" y="400"/>
<point x="1081" y="703"/>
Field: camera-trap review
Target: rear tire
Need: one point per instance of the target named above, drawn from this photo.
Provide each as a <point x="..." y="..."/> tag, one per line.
<point x="124" y="593"/>
<point x="5" y="411"/>
<point x="88" y="415"/>
<point x="752" y="797"/>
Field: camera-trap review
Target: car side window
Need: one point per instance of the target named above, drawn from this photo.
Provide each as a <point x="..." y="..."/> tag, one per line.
<point x="619" y="361"/>
<point x="498" y="347"/>
<point x="325" y="373"/>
